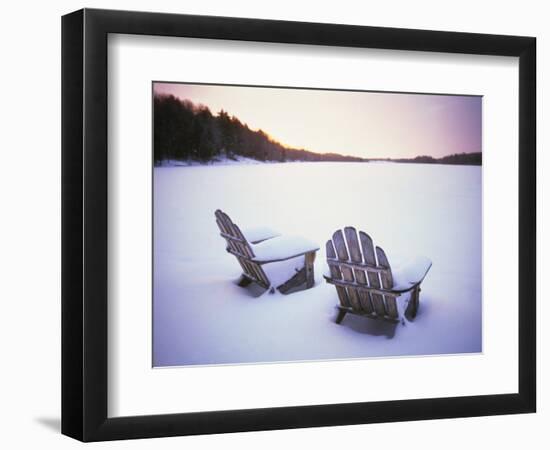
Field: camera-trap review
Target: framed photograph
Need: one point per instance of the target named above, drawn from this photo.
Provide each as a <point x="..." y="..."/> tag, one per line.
<point x="273" y="224"/>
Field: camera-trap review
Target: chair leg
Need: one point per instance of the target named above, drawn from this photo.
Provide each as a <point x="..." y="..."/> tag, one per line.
<point x="296" y="281"/>
<point x="244" y="281"/>
<point x="341" y="315"/>
<point x="310" y="276"/>
<point x="415" y="301"/>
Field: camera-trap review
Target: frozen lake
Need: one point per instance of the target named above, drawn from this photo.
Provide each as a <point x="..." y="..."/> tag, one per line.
<point x="200" y="315"/>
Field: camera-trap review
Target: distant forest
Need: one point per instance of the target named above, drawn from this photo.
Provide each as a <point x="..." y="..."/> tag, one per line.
<point x="184" y="131"/>
<point x="466" y="159"/>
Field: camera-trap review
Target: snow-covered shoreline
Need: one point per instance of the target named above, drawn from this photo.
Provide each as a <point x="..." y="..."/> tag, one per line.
<point x="241" y="160"/>
<point x="237" y="160"/>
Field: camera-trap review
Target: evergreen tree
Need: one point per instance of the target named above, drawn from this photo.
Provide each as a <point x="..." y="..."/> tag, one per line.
<point x="183" y="131"/>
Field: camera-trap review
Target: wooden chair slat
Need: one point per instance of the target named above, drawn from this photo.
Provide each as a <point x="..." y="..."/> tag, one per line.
<point x="347" y="273"/>
<point x="391" y="306"/>
<point x="386" y="276"/>
<point x="364" y="299"/>
<point x="218" y="214"/>
<point x="232" y="245"/>
<point x="387" y="282"/>
<point x="343" y="296"/>
<point x="246" y="249"/>
<point x="342" y="253"/>
<point x="226" y="229"/>
<point x="248" y="269"/>
<point x="374" y="281"/>
<point x="360" y="276"/>
<point x="335" y="271"/>
<point x="370" y="258"/>
<point x="356" y="256"/>
<point x="331" y="253"/>
<point x="366" y="304"/>
<point x="260" y="274"/>
<point x="221" y="226"/>
<point x="378" y="303"/>
<point x="242" y="263"/>
<point x="226" y="221"/>
<point x="340" y="245"/>
<point x="353" y="244"/>
<point x="231" y="227"/>
<point x="368" y="248"/>
<point x="353" y="296"/>
<point x="227" y="225"/>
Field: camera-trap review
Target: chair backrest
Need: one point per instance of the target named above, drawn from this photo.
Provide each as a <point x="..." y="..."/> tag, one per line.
<point x="236" y="242"/>
<point x="361" y="273"/>
<point x="238" y="246"/>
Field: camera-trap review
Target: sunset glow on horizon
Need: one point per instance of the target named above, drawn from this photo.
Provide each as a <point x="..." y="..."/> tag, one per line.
<point x="364" y="124"/>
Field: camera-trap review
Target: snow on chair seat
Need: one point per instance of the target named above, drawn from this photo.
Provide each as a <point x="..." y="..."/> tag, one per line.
<point x="259" y="234"/>
<point x="410" y="274"/>
<point x="364" y="281"/>
<point x="282" y="248"/>
<point x="254" y="248"/>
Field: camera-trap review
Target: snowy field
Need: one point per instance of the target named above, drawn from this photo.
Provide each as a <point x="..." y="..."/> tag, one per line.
<point x="201" y="316"/>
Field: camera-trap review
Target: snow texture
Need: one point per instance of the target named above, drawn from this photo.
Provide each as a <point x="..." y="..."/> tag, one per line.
<point x="201" y="316"/>
<point x="282" y="247"/>
<point x="410" y="273"/>
<point x="258" y="234"/>
<point x="221" y="161"/>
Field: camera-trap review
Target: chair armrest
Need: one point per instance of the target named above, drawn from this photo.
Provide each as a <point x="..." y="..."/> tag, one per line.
<point x="282" y="248"/>
<point x="258" y="234"/>
<point x="410" y="274"/>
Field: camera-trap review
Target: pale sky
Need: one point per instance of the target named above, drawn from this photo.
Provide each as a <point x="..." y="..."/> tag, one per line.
<point x="365" y="124"/>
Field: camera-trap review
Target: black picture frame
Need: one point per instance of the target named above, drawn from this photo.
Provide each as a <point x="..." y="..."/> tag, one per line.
<point x="84" y="224"/>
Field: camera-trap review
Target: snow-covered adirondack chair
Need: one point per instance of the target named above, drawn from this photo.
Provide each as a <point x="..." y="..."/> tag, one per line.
<point x="256" y="247"/>
<point x="365" y="283"/>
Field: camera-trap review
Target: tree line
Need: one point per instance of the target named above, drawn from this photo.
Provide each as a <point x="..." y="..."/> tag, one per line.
<point x="184" y="131"/>
<point x="466" y="159"/>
